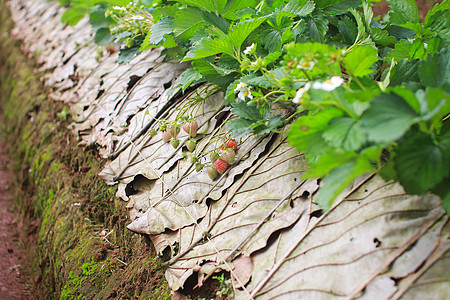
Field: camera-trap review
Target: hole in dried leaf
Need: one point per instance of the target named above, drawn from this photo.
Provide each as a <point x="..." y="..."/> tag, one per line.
<point x="220" y="117"/>
<point x="100" y="93"/>
<point x="167" y="85"/>
<point x="377" y="242"/>
<point x="396" y="280"/>
<point x="207" y="290"/>
<point x="316" y="214"/>
<point x="305" y="195"/>
<point x="133" y="80"/>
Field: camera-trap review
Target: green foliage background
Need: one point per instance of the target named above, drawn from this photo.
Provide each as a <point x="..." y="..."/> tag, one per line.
<point x="389" y="113"/>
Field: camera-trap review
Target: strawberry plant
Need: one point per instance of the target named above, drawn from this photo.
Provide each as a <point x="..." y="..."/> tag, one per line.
<point x="356" y="94"/>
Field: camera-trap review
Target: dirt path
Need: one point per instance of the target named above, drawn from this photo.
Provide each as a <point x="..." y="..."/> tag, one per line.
<point x="14" y="282"/>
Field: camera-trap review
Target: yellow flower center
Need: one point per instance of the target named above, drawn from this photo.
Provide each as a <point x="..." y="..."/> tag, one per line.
<point x="306" y="64"/>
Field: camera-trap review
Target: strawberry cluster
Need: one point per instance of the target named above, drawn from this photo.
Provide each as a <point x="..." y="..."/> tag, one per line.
<point x="223" y="160"/>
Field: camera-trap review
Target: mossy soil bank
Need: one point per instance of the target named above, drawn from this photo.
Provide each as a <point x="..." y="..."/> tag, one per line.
<point x="73" y="224"/>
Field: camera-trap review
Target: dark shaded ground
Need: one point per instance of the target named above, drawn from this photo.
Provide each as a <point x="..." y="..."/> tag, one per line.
<point x="15" y="282"/>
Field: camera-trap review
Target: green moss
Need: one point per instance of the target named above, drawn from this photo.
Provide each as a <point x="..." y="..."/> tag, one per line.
<point x="73" y="258"/>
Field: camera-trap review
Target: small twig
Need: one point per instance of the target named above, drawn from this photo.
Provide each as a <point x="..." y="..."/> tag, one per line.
<point x="121" y="261"/>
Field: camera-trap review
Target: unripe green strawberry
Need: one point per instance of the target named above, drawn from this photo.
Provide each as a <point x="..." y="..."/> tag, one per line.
<point x="166" y="136"/>
<point x="212" y="172"/>
<point x="214" y="156"/>
<point x="221" y="165"/>
<point x="175" y="143"/>
<point x="174" y="131"/>
<point x="228" y="155"/>
<point x="191" y="144"/>
<point x="230" y="144"/>
<point x="191" y="128"/>
<point x="194" y="159"/>
<point x="198" y="167"/>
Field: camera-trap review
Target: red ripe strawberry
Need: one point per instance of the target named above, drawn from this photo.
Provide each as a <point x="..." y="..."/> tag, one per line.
<point x="175" y="143"/>
<point x="228" y="155"/>
<point x="174" y="131"/>
<point x="166" y="136"/>
<point x="212" y="172"/>
<point x="191" y="144"/>
<point x="221" y="165"/>
<point x="191" y="128"/>
<point x="230" y="144"/>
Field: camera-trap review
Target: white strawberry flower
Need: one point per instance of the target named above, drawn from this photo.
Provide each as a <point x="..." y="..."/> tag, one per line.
<point x="329" y="84"/>
<point x="137" y="18"/>
<point x="300" y="92"/>
<point x="119" y="8"/>
<point x="243" y="91"/>
<point x="306" y="64"/>
<point x="250" y="49"/>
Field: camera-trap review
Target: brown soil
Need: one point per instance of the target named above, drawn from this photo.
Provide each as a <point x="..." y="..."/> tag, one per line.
<point x="424" y="6"/>
<point x="15" y="282"/>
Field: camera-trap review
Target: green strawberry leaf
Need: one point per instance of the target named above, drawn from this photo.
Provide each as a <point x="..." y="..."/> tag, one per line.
<point x="301" y="8"/>
<point x="341" y="7"/>
<point x="159" y="30"/>
<point x="103" y="37"/>
<point x="326" y="3"/>
<point x="339" y="178"/>
<point x="186" y="23"/>
<point x="190" y="76"/>
<point x="73" y="15"/>
<point x="421" y="164"/>
<point x="344" y="133"/>
<point x="233" y="6"/>
<point x="215" y="21"/>
<point x="317" y="26"/>
<point x="437" y="19"/>
<point x="328" y="161"/>
<point x="97" y="18"/>
<point x="127" y="54"/>
<point x="348" y="29"/>
<point x="388" y="118"/>
<point x="306" y="133"/>
<point x="382" y="37"/>
<point x="403" y="11"/>
<point x="404" y="71"/>
<point x="435" y="71"/>
<point x="213" y="73"/>
<point x="240" y="127"/>
<point x="418" y="28"/>
<point x="271" y="38"/>
<point x="215" y="6"/>
<point x="242" y="30"/>
<point x="208" y="47"/>
<point x="241" y="109"/>
<point x="360" y="59"/>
